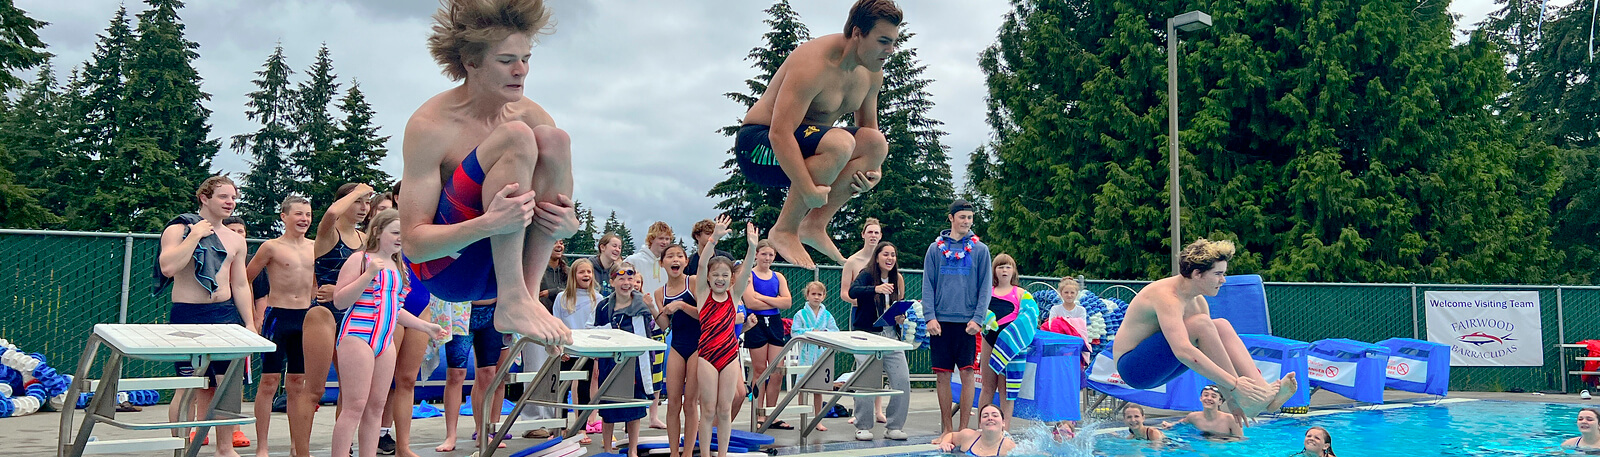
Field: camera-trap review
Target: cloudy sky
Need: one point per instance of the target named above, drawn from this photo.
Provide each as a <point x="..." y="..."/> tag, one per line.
<point x="637" y="83"/>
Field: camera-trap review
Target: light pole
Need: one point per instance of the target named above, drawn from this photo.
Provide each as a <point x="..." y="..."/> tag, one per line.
<point x="1188" y="22"/>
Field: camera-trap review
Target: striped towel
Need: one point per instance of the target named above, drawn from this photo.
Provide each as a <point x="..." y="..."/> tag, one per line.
<point x="1013" y="344"/>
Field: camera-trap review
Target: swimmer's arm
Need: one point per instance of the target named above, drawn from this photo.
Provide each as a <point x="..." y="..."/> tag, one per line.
<point x="176" y="250"/>
<point x="1155" y="435"/>
<point x="262" y="258"/>
<point x="783" y="300"/>
<point x="845" y="281"/>
<point x="241" y="285"/>
<point x="1169" y="314"/>
<point x="867" y="114"/>
<point x="788" y="112"/>
<point x="352" y="281"/>
<point x="328" y="227"/>
<point x="419" y="199"/>
<point x="742" y="282"/>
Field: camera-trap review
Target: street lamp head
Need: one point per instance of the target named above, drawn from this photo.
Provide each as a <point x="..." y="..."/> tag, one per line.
<point x="1191" y="21"/>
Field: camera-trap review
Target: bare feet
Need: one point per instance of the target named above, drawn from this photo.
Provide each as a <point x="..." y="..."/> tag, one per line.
<point x="532" y="320"/>
<point x="882" y="419"/>
<point x="788" y="246"/>
<point x="1286" y="388"/>
<point x="657" y="424"/>
<point x="449" y="445"/>
<point x="1250" y="398"/>
<point x="404" y="452"/>
<point x="815" y="234"/>
<point x="821" y="428"/>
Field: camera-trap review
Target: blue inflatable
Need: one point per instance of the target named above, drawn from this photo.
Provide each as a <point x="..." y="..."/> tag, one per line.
<point x="1418" y="366"/>
<point x="1348" y="367"/>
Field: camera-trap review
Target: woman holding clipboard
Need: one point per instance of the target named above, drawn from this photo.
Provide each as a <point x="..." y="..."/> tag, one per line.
<point x="875" y="289"/>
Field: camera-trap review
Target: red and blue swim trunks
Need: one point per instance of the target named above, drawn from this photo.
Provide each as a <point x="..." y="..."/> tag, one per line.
<point x="467" y="275"/>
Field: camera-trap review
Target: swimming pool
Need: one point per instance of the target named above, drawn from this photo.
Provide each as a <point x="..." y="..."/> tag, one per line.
<point x="1450" y="428"/>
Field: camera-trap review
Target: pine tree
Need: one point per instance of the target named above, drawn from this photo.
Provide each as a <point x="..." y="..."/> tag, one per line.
<point x="20" y="49"/>
<point x="94" y="102"/>
<point x="165" y="123"/>
<point x="1555" y="87"/>
<point x="33" y="134"/>
<point x="1331" y="146"/>
<point x="270" y="178"/>
<point x="315" y="157"/>
<point x="359" y="148"/>
<point x="738" y="198"/>
<point x="916" y="187"/>
<point x="613" y="225"/>
<point x="583" y="242"/>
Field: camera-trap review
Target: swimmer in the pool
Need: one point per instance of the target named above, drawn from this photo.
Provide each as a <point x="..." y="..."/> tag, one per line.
<point x="1169" y="330"/>
<point x="990" y="439"/>
<point x="1588" y="431"/>
<point x="1133" y="417"/>
<point x="488" y="175"/>
<point x="1211" y="421"/>
<point x="1318" y="443"/>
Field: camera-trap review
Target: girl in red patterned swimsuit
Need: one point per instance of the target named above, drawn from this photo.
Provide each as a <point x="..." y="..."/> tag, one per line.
<point x="720" y="372"/>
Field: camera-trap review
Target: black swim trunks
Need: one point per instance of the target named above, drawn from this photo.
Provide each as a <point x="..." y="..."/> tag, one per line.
<point x="753" y="149"/>
<point x="286" y="328"/>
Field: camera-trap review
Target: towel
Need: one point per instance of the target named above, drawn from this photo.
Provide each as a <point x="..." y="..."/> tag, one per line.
<point x="1594" y="351"/>
<point x="208" y="257"/>
<point x="805" y="321"/>
<point x="1014" y="342"/>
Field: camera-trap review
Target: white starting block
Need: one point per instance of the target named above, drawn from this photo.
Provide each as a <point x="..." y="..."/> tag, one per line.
<point x="867" y="382"/>
<point x="549" y="385"/>
<point x="200" y="344"/>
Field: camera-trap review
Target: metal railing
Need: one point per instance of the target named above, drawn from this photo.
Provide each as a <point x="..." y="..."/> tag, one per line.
<point x="57" y="285"/>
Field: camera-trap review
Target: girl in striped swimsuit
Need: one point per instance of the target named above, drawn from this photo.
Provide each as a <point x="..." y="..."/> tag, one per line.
<point x="371" y="287"/>
<point x="720" y="374"/>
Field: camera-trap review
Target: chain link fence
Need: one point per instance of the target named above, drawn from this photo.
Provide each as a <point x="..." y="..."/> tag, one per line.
<point x="59" y="284"/>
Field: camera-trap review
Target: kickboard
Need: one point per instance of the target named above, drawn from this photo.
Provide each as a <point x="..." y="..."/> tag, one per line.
<point x="747" y="439"/>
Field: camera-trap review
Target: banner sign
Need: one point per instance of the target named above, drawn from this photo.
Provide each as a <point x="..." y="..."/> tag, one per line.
<point x="1487" y="328"/>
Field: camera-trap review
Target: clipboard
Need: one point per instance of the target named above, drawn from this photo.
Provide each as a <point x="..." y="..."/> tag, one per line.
<point x="895" y="310"/>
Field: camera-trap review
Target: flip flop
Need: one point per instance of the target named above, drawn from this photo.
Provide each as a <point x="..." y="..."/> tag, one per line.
<point x="781" y="425"/>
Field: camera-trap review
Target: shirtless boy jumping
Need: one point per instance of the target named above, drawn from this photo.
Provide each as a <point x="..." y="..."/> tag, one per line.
<point x="1168" y="330"/>
<point x="488" y="175"/>
<point x="789" y="140"/>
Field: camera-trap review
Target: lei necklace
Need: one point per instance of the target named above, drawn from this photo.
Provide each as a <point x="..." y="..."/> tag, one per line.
<point x="944" y="247"/>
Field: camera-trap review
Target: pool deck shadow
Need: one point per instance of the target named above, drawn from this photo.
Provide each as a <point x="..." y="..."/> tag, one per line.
<point x="35" y="435"/>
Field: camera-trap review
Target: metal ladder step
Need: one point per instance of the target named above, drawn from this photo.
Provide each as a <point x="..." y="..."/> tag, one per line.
<point x="168" y="383"/>
<point x="130" y="446"/>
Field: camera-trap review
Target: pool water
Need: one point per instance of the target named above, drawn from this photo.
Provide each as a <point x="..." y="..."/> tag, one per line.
<point x="1450" y="428"/>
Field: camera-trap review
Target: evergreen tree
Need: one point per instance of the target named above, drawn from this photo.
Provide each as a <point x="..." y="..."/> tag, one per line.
<point x="359" y="149"/>
<point x="31" y="130"/>
<point x="270" y="178"/>
<point x="979" y="175"/>
<point x="20" y="49"/>
<point x="165" y="124"/>
<point x="613" y="225"/>
<point x="739" y="198"/>
<point x="916" y="188"/>
<point x="1331" y="146"/>
<point x="94" y="102"/>
<point x="584" y="240"/>
<point x="1555" y="88"/>
<point x="315" y="156"/>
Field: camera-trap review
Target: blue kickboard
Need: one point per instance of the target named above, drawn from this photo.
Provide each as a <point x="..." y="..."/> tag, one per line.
<point x="748" y="439"/>
<point x="537" y="447"/>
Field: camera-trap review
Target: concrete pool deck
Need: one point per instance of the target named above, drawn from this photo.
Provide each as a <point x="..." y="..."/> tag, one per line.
<point x="36" y="435"/>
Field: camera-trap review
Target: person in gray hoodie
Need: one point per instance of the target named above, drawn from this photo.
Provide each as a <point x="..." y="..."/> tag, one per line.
<point x="955" y="293"/>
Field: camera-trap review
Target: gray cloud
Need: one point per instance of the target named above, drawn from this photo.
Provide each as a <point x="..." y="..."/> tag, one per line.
<point x="638" y="84"/>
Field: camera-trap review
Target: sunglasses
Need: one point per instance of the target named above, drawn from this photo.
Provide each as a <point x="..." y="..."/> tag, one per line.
<point x="625" y="273"/>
